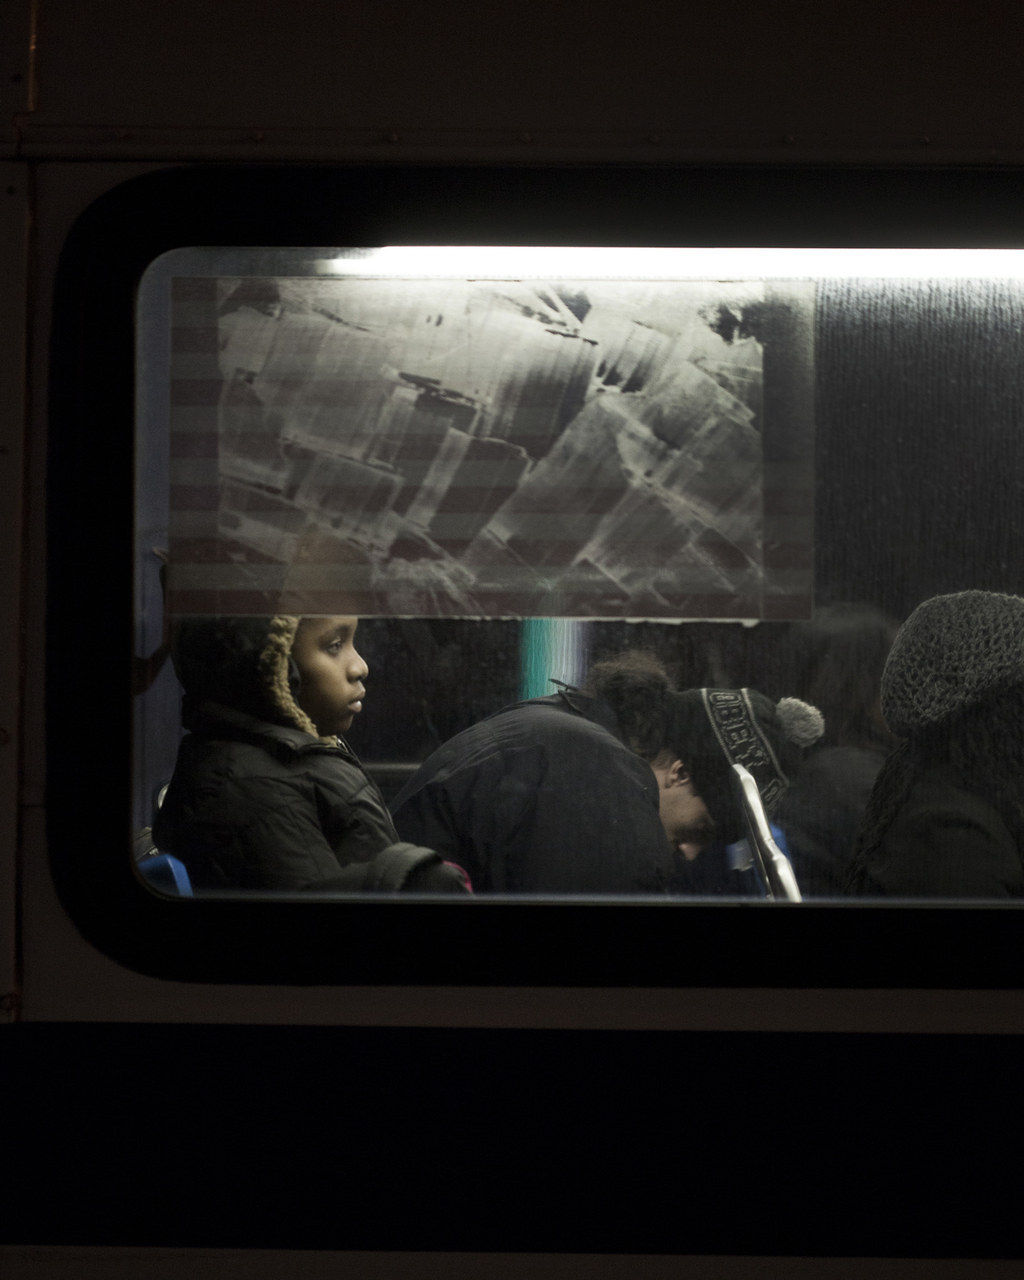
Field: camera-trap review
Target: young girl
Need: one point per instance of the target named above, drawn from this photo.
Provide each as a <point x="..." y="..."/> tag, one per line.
<point x="266" y="792"/>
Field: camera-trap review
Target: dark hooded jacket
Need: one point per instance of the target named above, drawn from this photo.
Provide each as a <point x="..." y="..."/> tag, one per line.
<point x="258" y="800"/>
<point x="542" y="797"/>
<point x="945" y="841"/>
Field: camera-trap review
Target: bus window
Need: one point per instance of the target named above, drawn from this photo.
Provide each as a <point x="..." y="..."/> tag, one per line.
<point x="534" y="456"/>
<point x="506" y="468"/>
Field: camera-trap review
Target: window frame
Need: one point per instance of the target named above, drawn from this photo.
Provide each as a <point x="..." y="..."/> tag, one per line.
<point x="606" y="943"/>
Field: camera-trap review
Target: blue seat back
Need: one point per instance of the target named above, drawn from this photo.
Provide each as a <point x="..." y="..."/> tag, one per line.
<point x="166" y="873"/>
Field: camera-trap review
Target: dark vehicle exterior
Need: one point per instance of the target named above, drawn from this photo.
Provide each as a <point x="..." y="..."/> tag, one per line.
<point x="186" y="1099"/>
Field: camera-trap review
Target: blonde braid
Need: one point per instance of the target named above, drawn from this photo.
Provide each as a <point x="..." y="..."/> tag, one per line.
<point x="273" y="668"/>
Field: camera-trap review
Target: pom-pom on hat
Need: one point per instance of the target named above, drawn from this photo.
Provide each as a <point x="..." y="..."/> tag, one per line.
<point x="953" y="652"/>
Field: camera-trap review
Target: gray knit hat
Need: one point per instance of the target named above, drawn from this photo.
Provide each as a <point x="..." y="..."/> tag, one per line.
<point x="952" y="652"/>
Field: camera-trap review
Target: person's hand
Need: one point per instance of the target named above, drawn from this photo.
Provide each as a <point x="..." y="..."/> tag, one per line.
<point x="437" y="877"/>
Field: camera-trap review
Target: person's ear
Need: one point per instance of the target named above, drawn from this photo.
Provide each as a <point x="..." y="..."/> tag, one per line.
<point x="677" y="774"/>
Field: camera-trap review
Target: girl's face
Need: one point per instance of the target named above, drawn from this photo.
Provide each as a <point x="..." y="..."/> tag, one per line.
<point x="332" y="673"/>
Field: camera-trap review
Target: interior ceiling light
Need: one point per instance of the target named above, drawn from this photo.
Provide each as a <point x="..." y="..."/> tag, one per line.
<point x="545" y="262"/>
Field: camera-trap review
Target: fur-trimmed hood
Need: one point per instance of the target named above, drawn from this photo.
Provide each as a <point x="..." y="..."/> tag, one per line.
<point x="244" y="663"/>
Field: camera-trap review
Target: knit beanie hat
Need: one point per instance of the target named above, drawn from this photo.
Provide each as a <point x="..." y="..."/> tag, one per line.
<point x="718" y="728"/>
<point x="244" y="663"/>
<point x="953" y="652"/>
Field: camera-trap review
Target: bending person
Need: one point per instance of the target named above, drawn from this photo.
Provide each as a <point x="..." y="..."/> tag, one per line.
<point x="946" y="815"/>
<point x="266" y="793"/>
<point x="600" y="790"/>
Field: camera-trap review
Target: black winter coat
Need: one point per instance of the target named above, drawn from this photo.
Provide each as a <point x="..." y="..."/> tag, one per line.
<point x="254" y="805"/>
<point x="822" y="812"/>
<point x="542" y="797"/>
<point x="945" y="842"/>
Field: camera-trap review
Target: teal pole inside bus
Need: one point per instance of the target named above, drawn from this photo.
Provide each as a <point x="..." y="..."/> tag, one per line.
<point x="551" y="648"/>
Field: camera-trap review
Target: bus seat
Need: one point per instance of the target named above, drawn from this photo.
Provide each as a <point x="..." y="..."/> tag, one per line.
<point x="166" y="873"/>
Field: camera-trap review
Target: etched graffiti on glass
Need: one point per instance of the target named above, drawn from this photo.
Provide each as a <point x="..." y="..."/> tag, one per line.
<point x="589" y="448"/>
